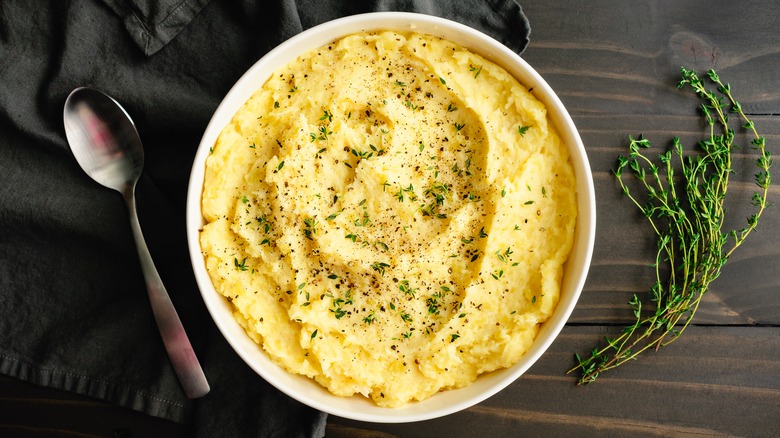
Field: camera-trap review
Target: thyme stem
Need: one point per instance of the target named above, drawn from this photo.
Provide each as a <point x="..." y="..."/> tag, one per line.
<point x="688" y="221"/>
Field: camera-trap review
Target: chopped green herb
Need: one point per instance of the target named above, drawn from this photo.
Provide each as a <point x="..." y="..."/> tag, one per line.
<point x="404" y="287"/>
<point x="379" y="152"/>
<point x="402" y="190"/>
<point x="361" y="154"/>
<point x="240" y="266"/>
<point x="439" y="192"/>
<point x="364" y="221"/>
<point x="380" y="267"/>
<point x="430" y="210"/>
<point x="433" y="303"/>
<point x="309" y="227"/>
<point x="322" y="135"/>
<point x="263" y="221"/>
<point x="382" y="245"/>
<point x="337" y="303"/>
<point x="523" y="129"/>
<point x="504" y="257"/>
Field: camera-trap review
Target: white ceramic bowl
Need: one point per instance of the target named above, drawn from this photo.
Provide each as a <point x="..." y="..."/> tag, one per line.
<point x="358" y="408"/>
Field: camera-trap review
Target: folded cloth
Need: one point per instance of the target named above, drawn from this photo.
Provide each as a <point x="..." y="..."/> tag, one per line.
<point x="74" y="313"/>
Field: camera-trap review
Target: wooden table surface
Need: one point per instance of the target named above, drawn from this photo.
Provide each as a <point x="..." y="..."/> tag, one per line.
<point x="614" y="64"/>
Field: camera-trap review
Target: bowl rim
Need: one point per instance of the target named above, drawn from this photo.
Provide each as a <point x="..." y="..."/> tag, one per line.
<point x="584" y="238"/>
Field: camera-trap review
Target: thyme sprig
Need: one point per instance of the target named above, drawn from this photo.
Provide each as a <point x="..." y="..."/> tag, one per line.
<point x="688" y="219"/>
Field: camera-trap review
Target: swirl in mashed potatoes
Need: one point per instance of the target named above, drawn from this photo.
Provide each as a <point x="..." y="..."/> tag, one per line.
<point x="390" y="215"/>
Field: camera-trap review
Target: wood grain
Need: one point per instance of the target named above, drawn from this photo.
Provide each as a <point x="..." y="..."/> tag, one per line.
<point x="673" y="392"/>
<point x="615" y="65"/>
<point x="745" y="293"/>
<point x="614" y="57"/>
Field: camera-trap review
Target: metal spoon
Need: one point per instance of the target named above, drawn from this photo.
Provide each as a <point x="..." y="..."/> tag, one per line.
<point x="106" y="144"/>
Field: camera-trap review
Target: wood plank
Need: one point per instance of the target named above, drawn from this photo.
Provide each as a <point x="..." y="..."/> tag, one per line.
<point x="731" y="371"/>
<point x="747" y="290"/>
<point x="624" y="57"/>
<point x="615" y="66"/>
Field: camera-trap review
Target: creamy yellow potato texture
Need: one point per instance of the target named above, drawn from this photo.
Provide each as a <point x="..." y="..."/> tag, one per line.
<point x="389" y="215"/>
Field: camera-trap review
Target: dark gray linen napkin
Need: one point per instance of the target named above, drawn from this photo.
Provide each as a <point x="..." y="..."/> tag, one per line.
<point x="74" y="313"/>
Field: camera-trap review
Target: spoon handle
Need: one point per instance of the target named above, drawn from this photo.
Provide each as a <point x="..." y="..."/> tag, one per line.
<point x="180" y="352"/>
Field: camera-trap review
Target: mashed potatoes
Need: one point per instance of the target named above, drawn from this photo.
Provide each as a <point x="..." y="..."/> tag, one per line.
<point x="389" y="215"/>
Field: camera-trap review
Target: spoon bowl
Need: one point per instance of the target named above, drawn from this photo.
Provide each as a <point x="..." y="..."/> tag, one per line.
<point x="113" y="155"/>
<point x="107" y="146"/>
